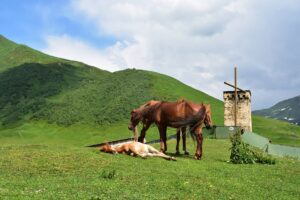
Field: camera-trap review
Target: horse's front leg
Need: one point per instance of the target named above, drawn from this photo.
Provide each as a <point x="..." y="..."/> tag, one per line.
<point x="163" y="143"/>
<point x="199" y="138"/>
<point x="143" y="132"/>
<point x="183" y="132"/>
<point x="177" y="141"/>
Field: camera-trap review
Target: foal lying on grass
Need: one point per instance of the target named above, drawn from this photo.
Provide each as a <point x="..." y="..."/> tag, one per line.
<point x="135" y="149"/>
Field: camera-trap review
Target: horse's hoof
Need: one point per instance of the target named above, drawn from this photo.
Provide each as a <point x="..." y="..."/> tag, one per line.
<point x="173" y="158"/>
<point x="197" y="157"/>
<point x="177" y="153"/>
<point x="186" y="153"/>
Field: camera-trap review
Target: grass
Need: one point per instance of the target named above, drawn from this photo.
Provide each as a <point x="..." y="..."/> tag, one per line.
<point x="43" y="133"/>
<point x="279" y="132"/>
<point x="70" y="172"/>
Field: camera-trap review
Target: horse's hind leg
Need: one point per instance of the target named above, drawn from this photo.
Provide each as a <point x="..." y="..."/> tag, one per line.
<point x="162" y="155"/>
<point x="177" y="141"/>
<point x="183" y="132"/>
<point x="199" y="137"/>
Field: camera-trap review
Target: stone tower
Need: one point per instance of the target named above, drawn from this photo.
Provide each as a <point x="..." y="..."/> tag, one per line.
<point x="244" y="119"/>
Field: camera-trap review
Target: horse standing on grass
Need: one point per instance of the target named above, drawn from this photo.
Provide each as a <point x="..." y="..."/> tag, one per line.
<point x="172" y="114"/>
<point x="148" y="121"/>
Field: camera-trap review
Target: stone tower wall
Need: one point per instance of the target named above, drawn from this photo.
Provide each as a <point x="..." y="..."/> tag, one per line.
<point x="244" y="118"/>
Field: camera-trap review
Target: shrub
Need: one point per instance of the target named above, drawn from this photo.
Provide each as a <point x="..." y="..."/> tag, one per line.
<point x="110" y="174"/>
<point x="242" y="153"/>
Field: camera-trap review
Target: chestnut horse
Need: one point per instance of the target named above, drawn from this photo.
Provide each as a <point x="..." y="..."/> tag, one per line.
<point x="136" y="113"/>
<point x="172" y="114"/>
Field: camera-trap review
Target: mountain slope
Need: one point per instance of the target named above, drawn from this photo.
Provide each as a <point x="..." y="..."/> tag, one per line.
<point x="12" y="54"/>
<point x="287" y="110"/>
<point x="34" y="86"/>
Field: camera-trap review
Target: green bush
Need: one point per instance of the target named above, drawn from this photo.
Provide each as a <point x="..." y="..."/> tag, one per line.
<point x="242" y="153"/>
<point x="109" y="174"/>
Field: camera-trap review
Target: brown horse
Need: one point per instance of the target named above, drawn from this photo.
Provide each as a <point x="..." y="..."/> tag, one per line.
<point x="136" y="115"/>
<point x="172" y="114"/>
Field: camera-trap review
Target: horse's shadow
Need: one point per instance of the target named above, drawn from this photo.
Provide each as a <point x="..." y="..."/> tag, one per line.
<point x="181" y="155"/>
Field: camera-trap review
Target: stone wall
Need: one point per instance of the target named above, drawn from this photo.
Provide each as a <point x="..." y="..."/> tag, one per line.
<point x="244" y="118"/>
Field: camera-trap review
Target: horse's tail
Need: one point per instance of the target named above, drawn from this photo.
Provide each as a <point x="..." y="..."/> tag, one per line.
<point x="197" y="121"/>
<point x="193" y="122"/>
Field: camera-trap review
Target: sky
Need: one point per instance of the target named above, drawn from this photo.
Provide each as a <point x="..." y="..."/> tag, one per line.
<point x="198" y="42"/>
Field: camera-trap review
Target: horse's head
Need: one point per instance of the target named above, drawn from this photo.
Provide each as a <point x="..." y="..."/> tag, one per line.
<point x="107" y="149"/>
<point x="207" y="120"/>
<point x="141" y="113"/>
<point x="134" y="119"/>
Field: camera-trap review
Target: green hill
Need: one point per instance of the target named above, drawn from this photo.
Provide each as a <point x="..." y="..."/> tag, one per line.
<point x="44" y="97"/>
<point x="287" y="110"/>
<point x="41" y="87"/>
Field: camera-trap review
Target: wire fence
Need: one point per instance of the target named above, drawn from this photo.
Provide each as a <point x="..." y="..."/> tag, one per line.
<point x="224" y="132"/>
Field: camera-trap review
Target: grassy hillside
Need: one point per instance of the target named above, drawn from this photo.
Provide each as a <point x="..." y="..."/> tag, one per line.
<point x="279" y="132"/>
<point x="12" y="54"/>
<point x="34" y="86"/>
<point x="287" y="110"/>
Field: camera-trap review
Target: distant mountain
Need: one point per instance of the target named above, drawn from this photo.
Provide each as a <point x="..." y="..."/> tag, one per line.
<point x="287" y="110"/>
<point x="35" y="86"/>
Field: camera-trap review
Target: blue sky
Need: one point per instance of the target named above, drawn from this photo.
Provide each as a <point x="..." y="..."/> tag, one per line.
<point x="197" y="42"/>
<point x="29" y="21"/>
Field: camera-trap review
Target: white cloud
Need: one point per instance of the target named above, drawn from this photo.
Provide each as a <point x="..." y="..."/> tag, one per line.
<point x="197" y="42"/>
<point x="73" y="49"/>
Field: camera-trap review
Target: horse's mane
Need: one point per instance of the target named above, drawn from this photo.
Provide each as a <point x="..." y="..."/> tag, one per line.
<point x="146" y="109"/>
<point x="149" y="108"/>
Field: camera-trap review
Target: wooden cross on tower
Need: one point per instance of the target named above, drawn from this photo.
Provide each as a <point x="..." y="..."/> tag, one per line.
<point x="235" y="94"/>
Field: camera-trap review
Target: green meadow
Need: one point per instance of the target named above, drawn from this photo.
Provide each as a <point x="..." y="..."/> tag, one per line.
<point x="74" y="172"/>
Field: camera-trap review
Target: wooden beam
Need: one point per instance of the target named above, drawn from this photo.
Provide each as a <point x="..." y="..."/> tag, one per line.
<point x="234" y="87"/>
<point x="235" y="96"/>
